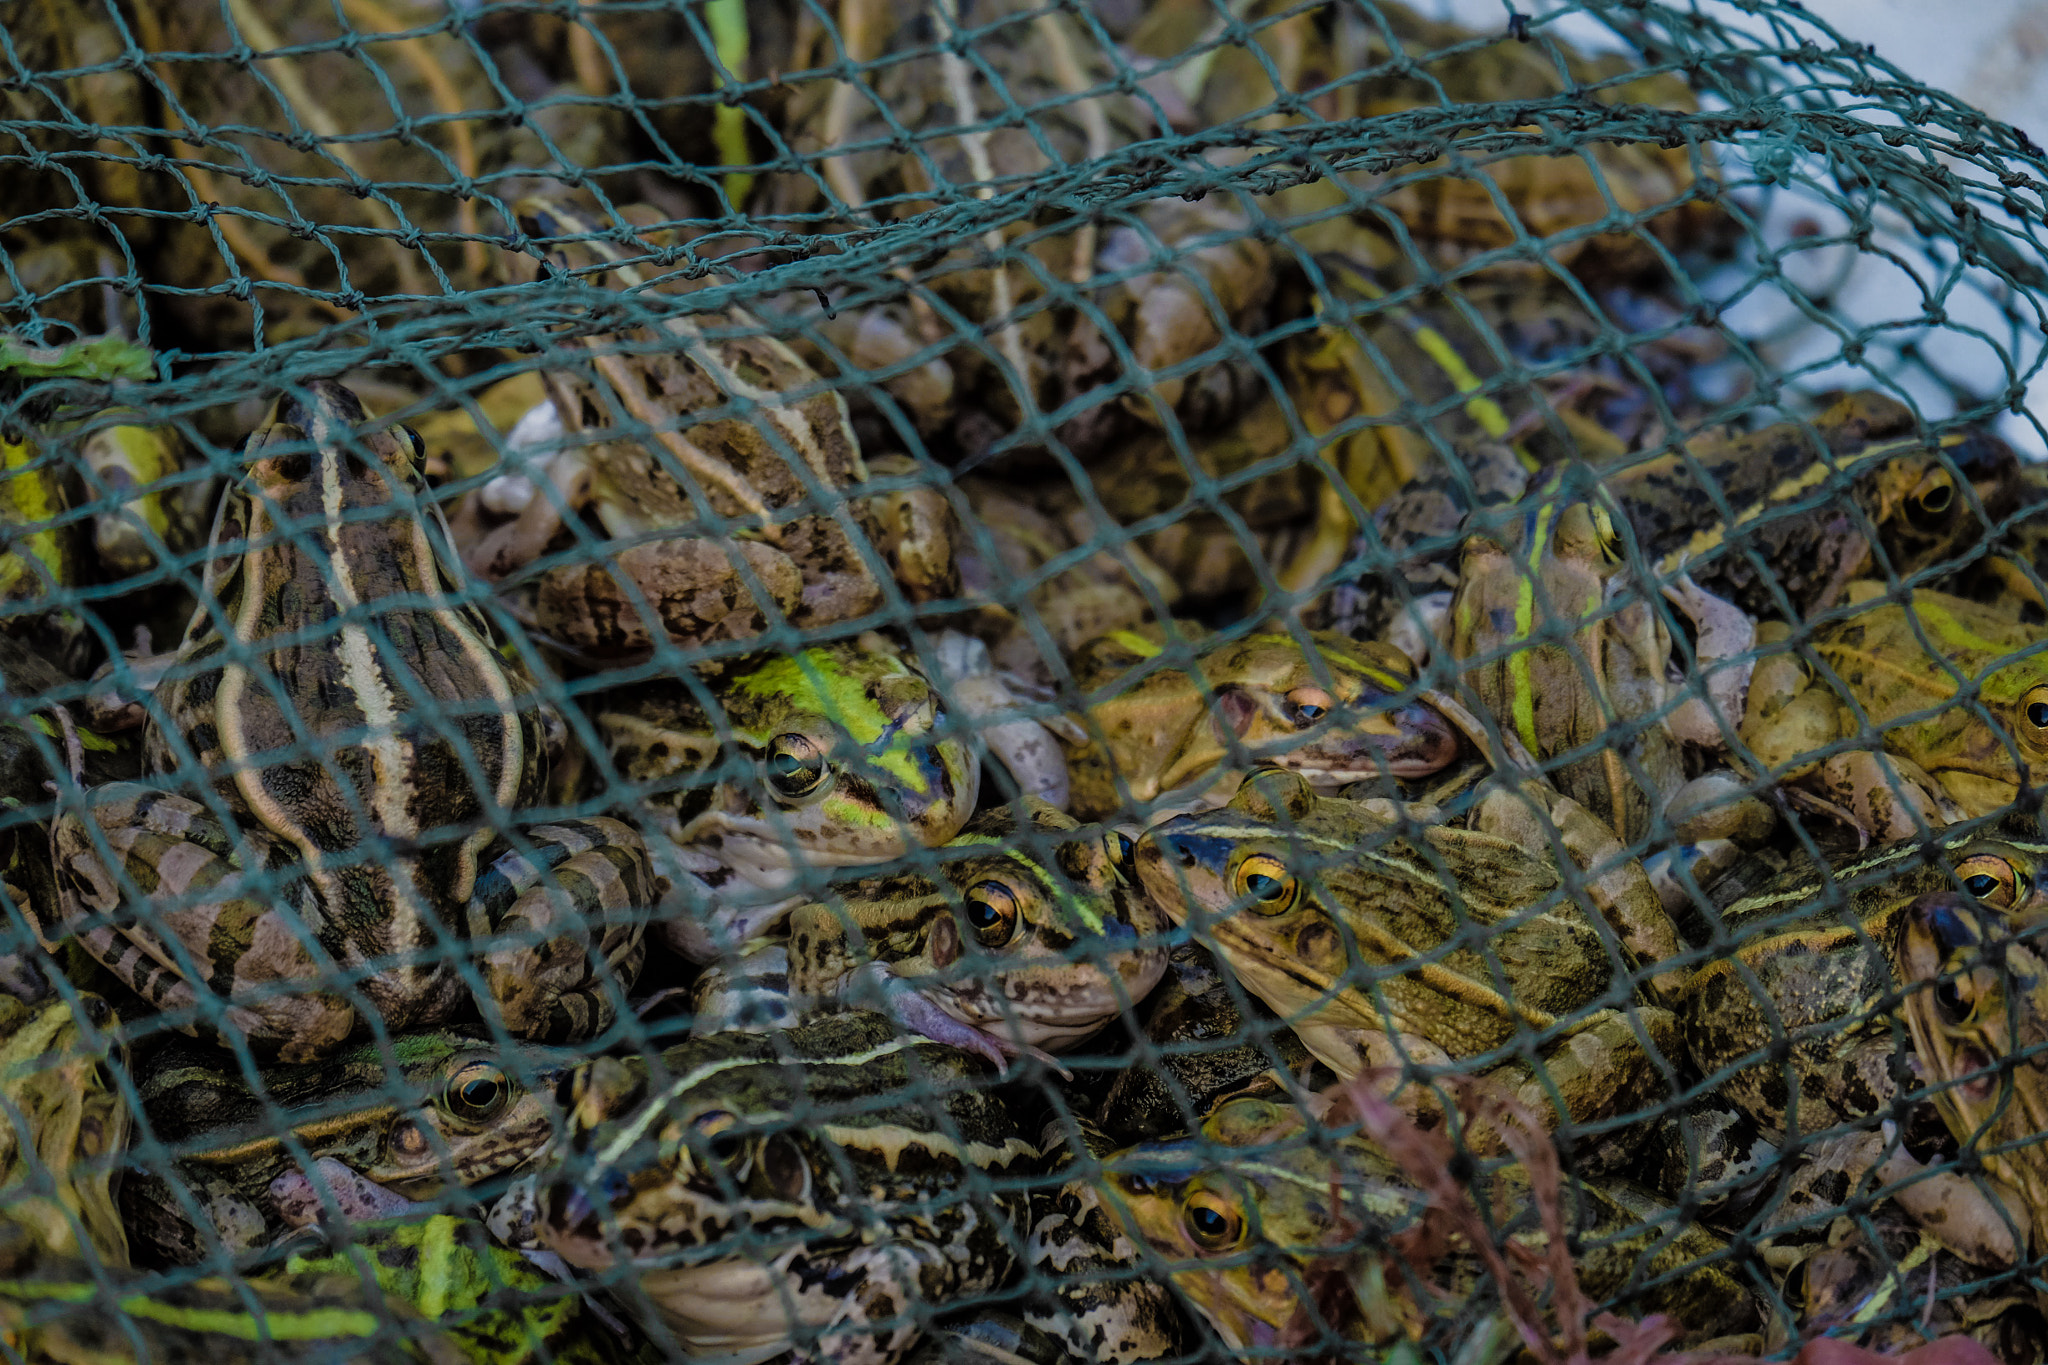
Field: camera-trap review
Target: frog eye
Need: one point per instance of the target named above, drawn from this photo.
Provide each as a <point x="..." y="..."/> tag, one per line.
<point x="417" y="442"/>
<point x="1265" y="881"/>
<point x="476" y="1093"/>
<point x="780" y="1171"/>
<point x="2034" y="708"/>
<point x="992" y="912"/>
<point x="1307" y="705"/>
<point x="1929" y="504"/>
<point x="795" y="766"/>
<point x="1212" y="1221"/>
<point x="1991" y="879"/>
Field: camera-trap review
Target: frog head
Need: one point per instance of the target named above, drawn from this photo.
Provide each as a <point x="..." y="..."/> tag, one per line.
<point x="1036" y="936"/>
<point x="1978" y="1011"/>
<point x="756" y="1185"/>
<point x="1260" y="1229"/>
<point x="1311" y="899"/>
<point x="1334" y="709"/>
<point x="843" y="760"/>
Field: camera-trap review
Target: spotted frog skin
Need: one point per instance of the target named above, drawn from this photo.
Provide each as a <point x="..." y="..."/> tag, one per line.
<point x="1953" y="692"/>
<point x="362" y="738"/>
<point x="806" y="1192"/>
<point x="735" y="425"/>
<point x="839" y="756"/>
<point x="434" y="1112"/>
<point x="1354" y="931"/>
<point x="1324" y="705"/>
<point x="1248" y="1211"/>
<point x="1815" y="964"/>
<point x="1032" y="936"/>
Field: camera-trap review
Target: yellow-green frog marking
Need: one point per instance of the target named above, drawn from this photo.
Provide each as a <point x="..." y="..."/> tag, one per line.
<point x="838" y="756"/>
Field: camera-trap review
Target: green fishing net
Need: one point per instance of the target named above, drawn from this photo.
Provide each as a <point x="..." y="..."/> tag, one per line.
<point x="1022" y="378"/>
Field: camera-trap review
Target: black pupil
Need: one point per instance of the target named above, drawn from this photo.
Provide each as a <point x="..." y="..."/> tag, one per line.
<point x="1123" y="848"/>
<point x="479" y="1094"/>
<point x="2037" y="714"/>
<point x="788" y="765"/>
<point x="1210" y="1223"/>
<point x="1937" y="499"/>
<point x="1981" y="885"/>
<point x="1264" y="887"/>
<point x="982" y="913"/>
<point x="1311" y="712"/>
<point x="1950" y="999"/>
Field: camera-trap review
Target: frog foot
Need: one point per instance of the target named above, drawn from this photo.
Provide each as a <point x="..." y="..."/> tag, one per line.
<point x="1420" y="629"/>
<point x="567" y="914"/>
<point x="907" y="1007"/>
<point x="1724" y="651"/>
<point x="1025" y="747"/>
<point x="304" y="1202"/>
<point x="525" y="538"/>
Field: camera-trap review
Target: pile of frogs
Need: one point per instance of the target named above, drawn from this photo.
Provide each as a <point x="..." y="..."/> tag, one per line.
<point x="716" y="846"/>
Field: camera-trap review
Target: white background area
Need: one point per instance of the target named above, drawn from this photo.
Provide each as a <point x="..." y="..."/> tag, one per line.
<point x="1992" y="54"/>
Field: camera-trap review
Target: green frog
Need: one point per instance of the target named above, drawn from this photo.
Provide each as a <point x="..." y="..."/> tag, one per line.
<point x="837" y="756"/>
<point x="1596" y="702"/>
<point x="363" y="738"/>
<point x="1031" y="936"/>
<point x="813" y="1191"/>
<point x="68" y="1122"/>
<point x="1799" y="1008"/>
<point x="1248" y="1211"/>
<point x="1158" y="729"/>
<point x="431" y="1112"/>
<point x="1790" y="494"/>
<point x="1976" y="978"/>
<point x="711" y="448"/>
<point x="1353" y="925"/>
<point x="1952" y="692"/>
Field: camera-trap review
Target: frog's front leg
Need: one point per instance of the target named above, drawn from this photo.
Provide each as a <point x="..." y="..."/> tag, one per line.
<point x="181" y="899"/>
<point x="1533" y="815"/>
<point x="559" y="933"/>
<point x="1724" y="651"/>
<point x="1889" y="797"/>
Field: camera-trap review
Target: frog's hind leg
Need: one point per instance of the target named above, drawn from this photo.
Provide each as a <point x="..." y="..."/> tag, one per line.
<point x="177" y="903"/>
<point x="558" y="937"/>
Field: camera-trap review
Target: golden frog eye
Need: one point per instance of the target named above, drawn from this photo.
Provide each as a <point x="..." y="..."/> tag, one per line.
<point x="478" y="1092"/>
<point x="992" y="913"/>
<point x="2034" y="715"/>
<point x="1992" y="879"/>
<point x="1265" y="881"/>
<point x="795" y="766"/>
<point x="1212" y="1221"/>
<point x="1307" y="705"/>
<point x="1931" y="501"/>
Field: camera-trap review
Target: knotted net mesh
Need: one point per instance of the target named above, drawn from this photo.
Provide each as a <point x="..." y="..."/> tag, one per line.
<point x="983" y="680"/>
